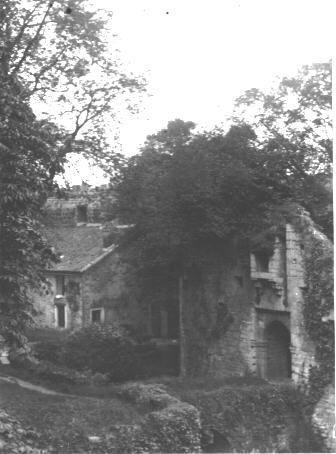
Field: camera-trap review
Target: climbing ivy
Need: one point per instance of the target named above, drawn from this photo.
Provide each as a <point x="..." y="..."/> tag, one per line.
<point x="318" y="303"/>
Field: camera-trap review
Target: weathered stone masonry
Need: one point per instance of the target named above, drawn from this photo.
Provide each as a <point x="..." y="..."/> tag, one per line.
<point x="243" y="314"/>
<point x="263" y="300"/>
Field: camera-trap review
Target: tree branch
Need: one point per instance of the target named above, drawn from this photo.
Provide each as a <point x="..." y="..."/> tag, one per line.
<point x="32" y="41"/>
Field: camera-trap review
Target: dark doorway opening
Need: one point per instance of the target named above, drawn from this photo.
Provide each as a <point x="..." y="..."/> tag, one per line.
<point x="278" y="359"/>
<point x="82" y="213"/>
<point x="60" y="308"/>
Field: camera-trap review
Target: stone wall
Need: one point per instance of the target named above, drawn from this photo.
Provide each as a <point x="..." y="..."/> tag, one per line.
<point x="302" y="348"/>
<point x="67" y="212"/>
<point x="324" y="417"/>
<point x="104" y="286"/>
<point x="218" y="317"/>
<point x="46" y="300"/>
<point x="260" y="305"/>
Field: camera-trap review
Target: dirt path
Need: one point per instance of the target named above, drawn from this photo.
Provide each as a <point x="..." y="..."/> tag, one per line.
<point x="68" y="423"/>
<point x="30" y="386"/>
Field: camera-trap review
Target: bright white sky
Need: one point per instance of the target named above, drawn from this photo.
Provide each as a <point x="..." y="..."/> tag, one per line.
<point x="198" y="56"/>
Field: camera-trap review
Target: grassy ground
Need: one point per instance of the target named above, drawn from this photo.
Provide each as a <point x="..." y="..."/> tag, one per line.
<point x="65" y="422"/>
<point x="252" y="413"/>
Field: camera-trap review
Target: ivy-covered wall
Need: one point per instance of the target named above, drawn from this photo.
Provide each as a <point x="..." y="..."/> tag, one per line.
<point x="218" y="316"/>
<point x="229" y="305"/>
<point x="318" y="301"/>
<point x="302" y="346"/>
<point x="104" y="286"/>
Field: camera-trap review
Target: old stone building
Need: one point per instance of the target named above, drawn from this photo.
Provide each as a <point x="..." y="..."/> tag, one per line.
<point x="241" y="314"/>
<point x="88" y="284"/>
<point x="245" y="313"/>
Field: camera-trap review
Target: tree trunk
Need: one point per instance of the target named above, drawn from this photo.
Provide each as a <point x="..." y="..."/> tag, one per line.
<point x="183" y="371"/>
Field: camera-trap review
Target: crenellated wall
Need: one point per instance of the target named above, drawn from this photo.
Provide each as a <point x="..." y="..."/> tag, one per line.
<point x="67" y="212"/>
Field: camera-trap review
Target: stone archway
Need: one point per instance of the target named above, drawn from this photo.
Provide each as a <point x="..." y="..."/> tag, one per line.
<point x="278" y="355"/>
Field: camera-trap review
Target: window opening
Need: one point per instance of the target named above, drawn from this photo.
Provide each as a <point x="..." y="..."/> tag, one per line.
<point x="82" y="213"/>
<point x="97" y="315"/>
<point x="262" y="262"/>
<point x="60" y="285"/>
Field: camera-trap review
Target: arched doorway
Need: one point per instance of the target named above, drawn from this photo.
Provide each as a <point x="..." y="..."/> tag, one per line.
<point x="278" y="356"/>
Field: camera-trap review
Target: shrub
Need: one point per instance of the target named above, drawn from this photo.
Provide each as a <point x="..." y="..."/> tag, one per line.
<point x="173" y="426"/>
<point x="155" y="359"/>
<point x="103" y="349"/>
<point x="269" y="418"/>
<point x="48" y="351"/>
<point x="46" y="334"/>
<point x="106" y="349"/>
<point x="47" y="343"/>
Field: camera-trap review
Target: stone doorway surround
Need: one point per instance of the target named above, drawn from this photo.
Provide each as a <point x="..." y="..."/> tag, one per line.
<point x="273" y="356"/>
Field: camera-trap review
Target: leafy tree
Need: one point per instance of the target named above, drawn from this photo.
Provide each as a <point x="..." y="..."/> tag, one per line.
<point x="186" y="194"/>
<point x="57" y="50"/>
<point x="54" y="52"/>
<point x="187" y="197"/>
<point x="294" y="128"/>
<point x="27" y="165"/>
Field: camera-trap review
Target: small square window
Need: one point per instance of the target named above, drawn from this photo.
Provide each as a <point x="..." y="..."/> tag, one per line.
<point x="262" y="262"/>
<point x="97" y="315"/>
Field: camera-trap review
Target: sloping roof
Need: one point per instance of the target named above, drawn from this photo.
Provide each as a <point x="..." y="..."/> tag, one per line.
<point x="78" y="247"/>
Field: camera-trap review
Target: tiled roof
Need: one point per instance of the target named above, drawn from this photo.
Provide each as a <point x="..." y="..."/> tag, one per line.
<point x="78" y="247"/>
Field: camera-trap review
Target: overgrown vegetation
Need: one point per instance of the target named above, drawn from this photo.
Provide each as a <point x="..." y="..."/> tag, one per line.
<point x="27" y="165"/>
<point x="101" y="351"/>
<point x="293" y="125"/>
<point x="252" y="417"/>
<point x="187" y="197"/>
<point x="59" y="54"/>
<point x="63" y="424"/>
<point x="134" y="418"/>
<point x="47" y="49"/>
<point x="187" y="194"/>
<point x="318" y="303"/>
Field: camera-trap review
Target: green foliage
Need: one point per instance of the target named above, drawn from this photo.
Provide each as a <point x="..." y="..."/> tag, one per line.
<point x="173" y="426"/>
<point x="318" y="303"/>
<point x="293" y="124"/>
<point x="186" y="200"/>
<point x="62" y="60"/>
<point x="44" y="334"/>
<point x="267" y="418"/>
<point x="154" y="359"/>
<point x="14" y="438"/>
<point x="189" y="197"/>
<point x="46" y="52"/>
<point x="101" y="349"/>
<point x="27" y="165"/>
